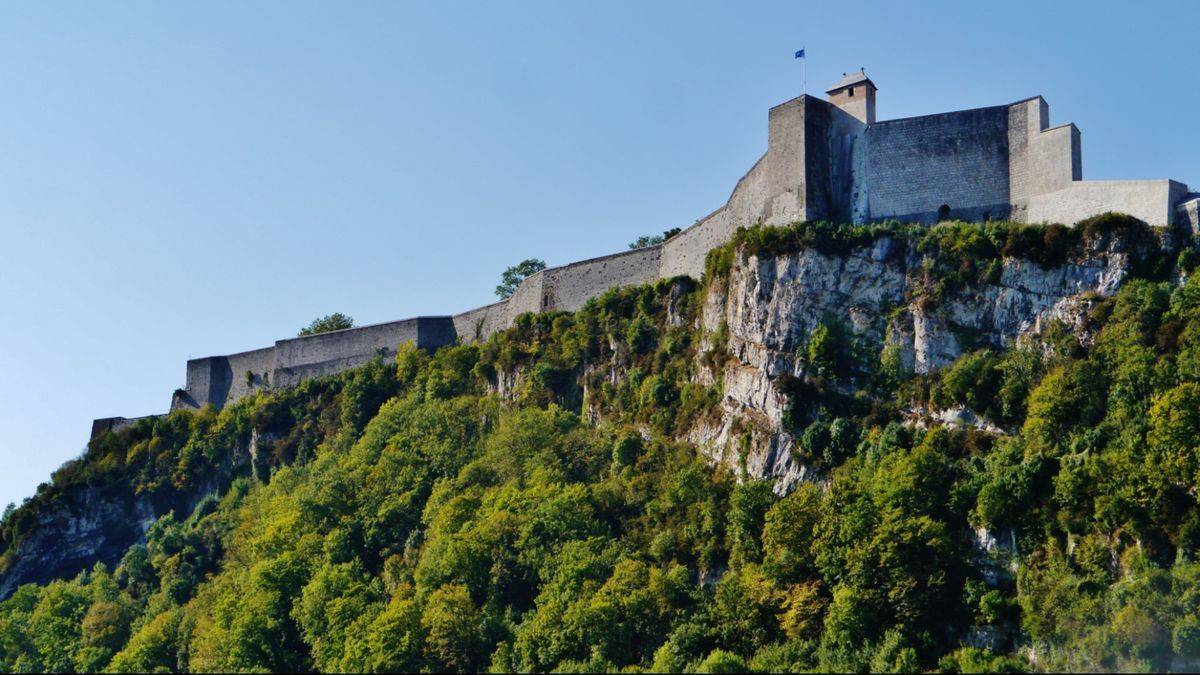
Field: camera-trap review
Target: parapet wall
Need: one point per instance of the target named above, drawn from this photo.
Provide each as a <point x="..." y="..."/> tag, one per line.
<point x="567" y="288"/>
<point x="220" y="380"/>
<point x="106" y="424"/>
<point x="476" y="324"/>
<point x="684" y="253"/>
<point x="777" y="190"/>
<point x="530" y="296"/>
<point x="1150" y="200"/>
<point x="304" y="358"/>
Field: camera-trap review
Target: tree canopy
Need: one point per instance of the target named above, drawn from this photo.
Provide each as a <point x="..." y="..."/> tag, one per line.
<point x="513" y="276"/>
<point x="327" y="323"/>
<point x="653" y="239"/>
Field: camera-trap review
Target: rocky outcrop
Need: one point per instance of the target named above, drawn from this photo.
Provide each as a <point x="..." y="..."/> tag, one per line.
<point x="86" y="524"/>
<point x="769" y="305"/>
<point x="87" y="527"/>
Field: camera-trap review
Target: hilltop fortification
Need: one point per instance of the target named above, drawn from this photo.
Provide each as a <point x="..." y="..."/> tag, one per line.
<point x="825" y="160"/>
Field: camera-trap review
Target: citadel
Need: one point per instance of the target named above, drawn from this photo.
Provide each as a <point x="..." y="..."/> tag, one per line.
<point x="825" y="160"/>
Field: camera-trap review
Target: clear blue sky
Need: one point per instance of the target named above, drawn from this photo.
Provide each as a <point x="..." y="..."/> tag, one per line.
<point x="178" y="180"/>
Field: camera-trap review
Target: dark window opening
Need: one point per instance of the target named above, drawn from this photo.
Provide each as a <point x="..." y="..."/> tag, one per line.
<point x="850" y="91"/>
<point x="944" y="212"/>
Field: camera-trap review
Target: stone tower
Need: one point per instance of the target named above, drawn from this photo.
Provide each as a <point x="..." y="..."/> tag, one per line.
<point x="855" y="93"/>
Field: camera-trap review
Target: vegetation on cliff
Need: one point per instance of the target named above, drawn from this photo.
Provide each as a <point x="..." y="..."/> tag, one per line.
<point x="530" y="503"/>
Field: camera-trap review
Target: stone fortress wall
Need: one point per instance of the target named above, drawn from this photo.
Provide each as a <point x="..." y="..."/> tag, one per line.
<point x="219" y="380"/>
<point x="960" y="159"/>
<point x="823" y="161"/>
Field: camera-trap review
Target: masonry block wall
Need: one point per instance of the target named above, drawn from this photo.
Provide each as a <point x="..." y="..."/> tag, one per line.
<point x="684" y="253"/>
<point x="220" y="380"/>
<point x="530" y="296"/>
<point x="960" y="160"/>
<point x="1042" y="159"/>
<point x="476" y="324"/>
<point x="780" y="188"/>
<point x="1147" y="200"/>
<point x="304" y="358"/>
<point x="567" y="288"/>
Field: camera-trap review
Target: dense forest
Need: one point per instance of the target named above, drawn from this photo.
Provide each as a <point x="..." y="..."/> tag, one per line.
<point x="531" y="504"/>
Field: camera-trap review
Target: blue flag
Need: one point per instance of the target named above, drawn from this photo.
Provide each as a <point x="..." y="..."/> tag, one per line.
<point x="800" y="54"/>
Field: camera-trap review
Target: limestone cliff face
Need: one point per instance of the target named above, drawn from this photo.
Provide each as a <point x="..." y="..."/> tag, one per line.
<point x="88" y="524"/>
<point x="769" y="305"/>
<point x="88" y="527"/>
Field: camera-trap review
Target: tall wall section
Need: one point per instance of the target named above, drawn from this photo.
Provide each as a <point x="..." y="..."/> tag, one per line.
<point x="775" y="191"/>
<point x="217" y="380"/>
<point x="304" y="358"/>
<point x="476" y="324"/>
<point x="220" y="380"/>
<point x="1042" y="159"/>
<point x="567" y="288"/>
<point x="1046" y="176"/>
<point x="918" y="164"/>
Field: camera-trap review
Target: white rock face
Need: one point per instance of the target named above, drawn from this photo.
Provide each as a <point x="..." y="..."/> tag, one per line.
<point x="770" y="304"/>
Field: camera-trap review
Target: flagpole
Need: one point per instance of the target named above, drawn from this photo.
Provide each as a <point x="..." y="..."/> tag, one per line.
<point x="804" y="76"/>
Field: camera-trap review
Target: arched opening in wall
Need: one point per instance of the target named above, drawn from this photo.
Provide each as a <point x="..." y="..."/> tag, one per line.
<point x="943" y="212"/>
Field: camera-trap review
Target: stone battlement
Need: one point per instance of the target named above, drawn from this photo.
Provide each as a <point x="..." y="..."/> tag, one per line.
<point x="825" y="160"/>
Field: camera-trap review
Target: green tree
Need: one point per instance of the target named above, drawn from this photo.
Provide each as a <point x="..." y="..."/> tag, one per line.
<point x="1175" y="431"/>
<point x="653" y="239"/>
<point x="327" y="323"/>
<point x="154" y="648"/>
<point x="513" y="276"/>
<point x="787" y="534"/>
<point x="453" y="633"/>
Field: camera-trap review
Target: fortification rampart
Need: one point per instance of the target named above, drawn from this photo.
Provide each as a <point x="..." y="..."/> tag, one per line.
<point x="1152" y="201"/>
<point x="684" y="253"/>
<point x="824" y="160"/>
<point x="1041" y="159"/>
<point x="220" y="380"/>
<point x="304" y="358"/>
<point x="960" y="160"/>
<point x="106" y="424"/>
<point x="567" y="288"/>
<point x="477" y="324"/>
